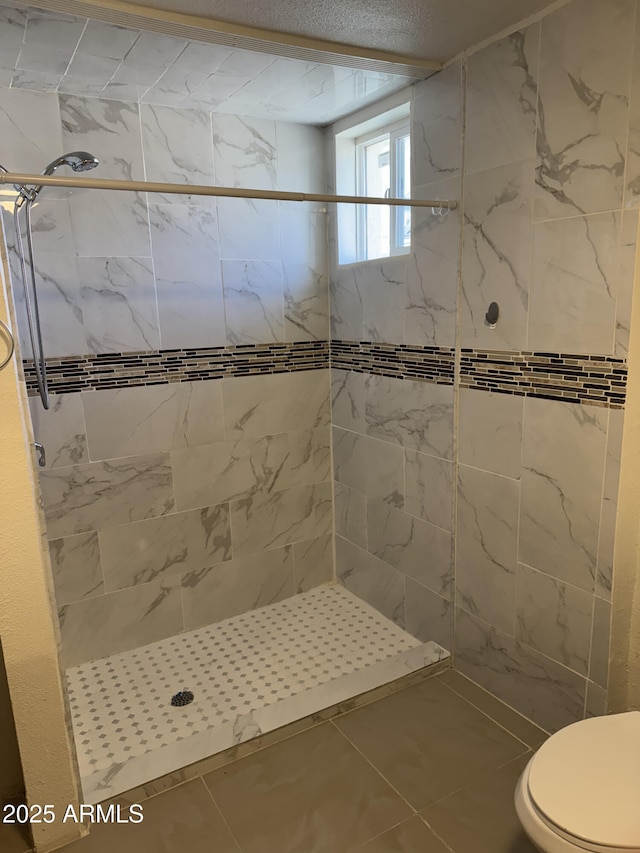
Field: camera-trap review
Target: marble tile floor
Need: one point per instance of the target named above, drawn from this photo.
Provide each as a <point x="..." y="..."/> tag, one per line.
<point x="429" y="769"/>
<point x="250" y="675"/>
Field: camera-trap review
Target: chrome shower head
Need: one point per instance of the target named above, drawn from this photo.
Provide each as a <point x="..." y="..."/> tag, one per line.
<point x="79" y="161"/>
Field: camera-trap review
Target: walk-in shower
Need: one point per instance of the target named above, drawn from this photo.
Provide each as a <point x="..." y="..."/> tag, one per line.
<point x="79" y="161"/>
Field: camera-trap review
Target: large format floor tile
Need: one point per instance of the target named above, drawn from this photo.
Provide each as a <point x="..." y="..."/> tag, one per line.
<point x="411" y="836"/>
<point x="313" y="793"/>
<point x="428" y="741"/>
<point x="182" y="819"/>
<point x="481" y="818"/>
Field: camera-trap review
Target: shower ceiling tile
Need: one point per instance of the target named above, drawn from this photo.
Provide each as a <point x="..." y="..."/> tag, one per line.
<point x="96" y="69"/>
<point x="80" y="86"/>
<point x="12" y="26"/>
<point x="159" y="50"/>
<point x="36" y="81"/>
<point x="108" y="40"/>
<point x="45" y="60"/>
<point x="47" y="28"/>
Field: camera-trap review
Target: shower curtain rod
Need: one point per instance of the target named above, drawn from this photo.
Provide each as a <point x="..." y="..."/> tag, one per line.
<point x="25" y="178"/>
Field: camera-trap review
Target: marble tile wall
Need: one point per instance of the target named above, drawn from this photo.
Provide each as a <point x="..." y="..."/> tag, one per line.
<point x="526" y="485"/>
<point x="550" y="221"/>
<point x="172" y="505"/>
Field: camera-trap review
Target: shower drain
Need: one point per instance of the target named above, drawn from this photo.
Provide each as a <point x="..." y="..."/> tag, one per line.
<point x="184" y="697"/>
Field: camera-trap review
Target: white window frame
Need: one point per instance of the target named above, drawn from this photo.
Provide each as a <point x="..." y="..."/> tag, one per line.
<point x="394" y="131"/>
<point x="393" y="110"/>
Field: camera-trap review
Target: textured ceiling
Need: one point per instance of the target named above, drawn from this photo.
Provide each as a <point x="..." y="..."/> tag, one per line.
<point x="427" y="29"/>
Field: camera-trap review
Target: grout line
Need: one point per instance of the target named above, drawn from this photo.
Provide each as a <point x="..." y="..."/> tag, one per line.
<point x="221" y="813"/>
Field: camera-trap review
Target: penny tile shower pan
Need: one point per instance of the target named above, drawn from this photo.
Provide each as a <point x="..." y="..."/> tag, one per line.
<point x="144" y="713"/>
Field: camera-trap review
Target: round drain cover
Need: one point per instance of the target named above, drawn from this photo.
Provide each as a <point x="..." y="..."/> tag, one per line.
<point x="184" y="697"/>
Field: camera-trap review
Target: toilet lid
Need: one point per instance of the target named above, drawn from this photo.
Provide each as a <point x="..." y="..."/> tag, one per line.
<point x="585" y="780"/>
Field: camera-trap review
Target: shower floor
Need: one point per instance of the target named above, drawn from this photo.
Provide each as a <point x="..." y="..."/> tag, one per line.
<point x="249" y="675"/>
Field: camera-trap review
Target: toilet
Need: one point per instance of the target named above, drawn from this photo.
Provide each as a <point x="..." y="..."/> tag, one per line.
<point x="581" y="790"/>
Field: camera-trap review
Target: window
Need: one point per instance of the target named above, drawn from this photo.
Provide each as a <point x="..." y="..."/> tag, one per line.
<point x="382" y="169"/>
<point x="372" y="152"/>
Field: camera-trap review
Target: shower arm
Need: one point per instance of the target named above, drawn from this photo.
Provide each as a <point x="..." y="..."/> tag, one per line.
<point x="27" y="179"/>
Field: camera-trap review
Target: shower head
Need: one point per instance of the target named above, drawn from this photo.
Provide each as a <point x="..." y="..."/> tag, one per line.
<point x="80" y="161"/>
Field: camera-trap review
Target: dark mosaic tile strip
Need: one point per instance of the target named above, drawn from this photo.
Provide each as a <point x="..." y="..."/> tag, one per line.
<point x="431" y="364"/>
<point x="594" y="380"/>
<point x="119" y="370"/>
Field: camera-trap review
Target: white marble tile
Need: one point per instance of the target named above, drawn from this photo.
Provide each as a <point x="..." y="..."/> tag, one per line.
<point x="487" y="546"/>
<point x="30" y="129"/>
<point x="266" y="521"/>
<point x="600" y="640"/>
<point x="102" y="39"/>
<point x="563" y="461"/>
<point x="435" y="125"/>
<point x="544" y="691"/>
<point x="160" y="548"/>
<point x="306" y="302"/>
<point x="278" y="402"/>
<point x="300" y="148"/>
<point x="350" y="510"/>
<point x="108" y="129"/>
<point x="345" y="299"/>
<point x="96" y="627"/>
<point x="347" y="399"/>
<point x="254" y="301"/>
<point x="248" y="229"/>
<point x="428" y="616"/>
<point x="188" y="276"/>
<point x="248" y="466"/>
<point x="501" y="101"/>
<point x="245" y="152"/>
<point x="44" y="60"/>
<point x="12" y="26"/>
<point x="76" y="568"/>
<point x="95" y="495"/>
<point x="632" y="165"/>
<point x="119" y="307"/>
<point x="382" y="285"/>
<point x="585" y="69"/>
<point x="432" y="270"/>
<point x="61" y="429"/>
<point x="496" y="261"/>
<point x="369" y="466"/>
<point x="490" y="431"/>
<point x="81" y="87"/>
<point x="371" y="579"/>
<point x="110" y="224"/>
<point x="177" y="149"/>
<point x="576" y="265"/>
<point x="59" y="301"/>
<point x="47" y="28"/>
<point x="313" y="563"/>
<point x="414" y="547"/>
<point x="175" y="87"/>
<point x="303" y="233"/>
<point x="554" y="618"/>
<point x="152" y="418"/>
<point x="596" y="702"/>
<point x="428" y="488"/>
<point x="39" y="81"/>
<point x="215" y="593"/>
<point x="609" y="508"/>
<point x="94" y="69"/>
<point x="156" y="49"/>
<point x="410" y="413"/>
<point x="625" y="280"/>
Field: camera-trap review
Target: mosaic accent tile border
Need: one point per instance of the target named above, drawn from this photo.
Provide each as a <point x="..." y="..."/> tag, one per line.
<point x="433" y="364"/>
<point x="595" y="380"/>
<point x="113" y="370"/>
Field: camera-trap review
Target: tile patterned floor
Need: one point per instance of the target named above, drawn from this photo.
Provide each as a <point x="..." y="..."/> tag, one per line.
<point x="429" y="769"/>
<point x="249" y="674"/>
